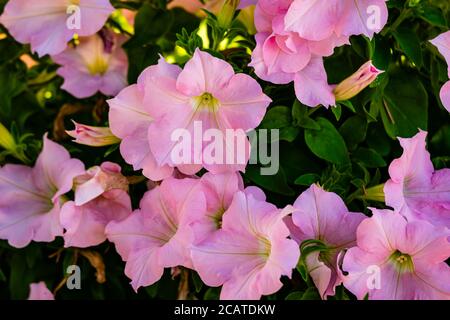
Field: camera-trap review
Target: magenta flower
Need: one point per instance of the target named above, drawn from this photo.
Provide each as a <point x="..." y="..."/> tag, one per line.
<point x="94" y="65"/>
<point x="129" y="119"/>
<point x="39" y="291"/>
<point x="92" y="136"/>
<point x="205" y="95"/>
<point x="398" y="260"/>
<point x="100" y="197"/>
<point x="415" y="189"/>
<point x="442" y="42"/>
<point x="49" y="24"/>
<point x="321" y="215"/>
<point x="159" y="234"/>
<point x="251" y="251"/>
<point x="32" y="197"/>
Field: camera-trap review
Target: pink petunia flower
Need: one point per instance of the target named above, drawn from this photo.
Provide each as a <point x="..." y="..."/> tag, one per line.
<point x="100" y="197"/>
<point x="159" y="234"/>
<point x="168" y="100"/>
<point x="398" y="260"/>
<point x="39" y="291"/>
<point x="129" y="119"/>
<point x="251" y="251"/>
<point x="415" y="189"/>
<point x="442" y="42"/>
<point x="49" y="24"/>
<point x="97" y="63"/>
<point x="32" y="197"/>
<point x="321" y="215"/>
<point x="219" y="190"/>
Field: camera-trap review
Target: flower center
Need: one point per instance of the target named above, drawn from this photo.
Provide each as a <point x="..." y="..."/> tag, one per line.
<point x="74" y="2"/>
<point x="98" y="66"/>
<point x="206" y="102"/>
<point x="403" y="262"/>
<point x="217" y="217"/>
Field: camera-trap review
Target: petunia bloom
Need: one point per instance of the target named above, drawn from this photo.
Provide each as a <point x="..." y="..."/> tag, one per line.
<point x="48" y="25"/>
<point x="251" y="251"/>
<point x="39" y="291"/>
<point x="442" y="42"/>
<point x="415" y="189"/>
<point x="97" y="63"/>
<point x="398" y="260"/>
<point x="357" y="82"/>
<point x="100" y="197"/>
<point x="32" y="197"/>
<point x="159" y="234"/>
<point x="321" y="215"/>
<point x="92" y="136"/>
<point x="219" y="190"/>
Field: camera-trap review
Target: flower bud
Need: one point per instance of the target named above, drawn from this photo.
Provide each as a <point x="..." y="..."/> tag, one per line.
<point x="357" y="82"/>
<point x="92" y="136"/>
<point x="226" y="14"/>
<point x="6" y="139"/>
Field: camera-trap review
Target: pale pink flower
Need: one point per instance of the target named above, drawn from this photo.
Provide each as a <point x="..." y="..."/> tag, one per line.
<point x="219" y="190"/>
<point x="321" y="215"/>
<point x="209" y="94"/>
<point x="415" y="189"/>
<point x="357" y="82"/>
<point x="49" y="24"/>
<point x="129" y="119"/>
<point x="398" y="260"/>
<point x="97" y="63"/>
<point x="32" y="197"/>
<point x="39" y="291"/>
<point x="251" y="251"/>
<point x="442" y="42"/>
<point x="92" y="136"/>
<point x="317" y="20"/>
<point x="159" y="234"/>
<point x="100" y="197"/>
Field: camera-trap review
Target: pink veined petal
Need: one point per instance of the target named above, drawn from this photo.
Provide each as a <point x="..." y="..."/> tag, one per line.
<point x="311" y="85"/>
<point x="445" y="95"/>
<point x="303" y="17"/>
<point x="85" y="225"/>
<point x="204" y="73"/>
<point x="442" y="42"/>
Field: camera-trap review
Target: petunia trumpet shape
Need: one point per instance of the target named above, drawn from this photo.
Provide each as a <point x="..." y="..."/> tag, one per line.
<point x="32" y="197"/>
<point x="97" y="63"/>
<point x="415" y="189"/>
<point x="321" y="215"/>
<point x="251" y="251"/>
<point x="49" y="24"/>
<point x="159" y="234"/>
<point x="92" y="136"/>
<point x="100" y="197"/>
<point x="39" y="291"/>
<point x="219" y="190"/>
<point x="442" y="42"/>
<point x="357" y="82"/>
<point x="398" y="260"/>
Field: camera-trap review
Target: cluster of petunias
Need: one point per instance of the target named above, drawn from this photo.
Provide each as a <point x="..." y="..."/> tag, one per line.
<point x="228" y="233"/>
<point x="294" y="36"/>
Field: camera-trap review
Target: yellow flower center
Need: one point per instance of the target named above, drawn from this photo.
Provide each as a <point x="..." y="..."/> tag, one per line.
<point x="206" y="102"/>
<point x="402" y="262"/>
<point x="98" y="66"/>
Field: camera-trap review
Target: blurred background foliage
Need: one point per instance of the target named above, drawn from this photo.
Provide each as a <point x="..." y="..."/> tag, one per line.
<point x="346" y="149"/>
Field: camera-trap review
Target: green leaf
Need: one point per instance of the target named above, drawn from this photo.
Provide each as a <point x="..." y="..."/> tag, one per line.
<point x="433" y="15"/>
<point x="307" y="179"/>
<point x="301" y="118"/>
<point x="405" y="106"/>
<point x="369" y="158"/>
<point x="327" y="143"/>
<point x="276" y="118"/>
<point x="198" y="284"/>
<point x="382" y="52"/>
<point x="276" y="183"/>
<point x="337" y="111"/>
<point x="296" y="295"/>
<point x="354" y="130"/>
<point x="410" y="43"/>
<point x="311" y="294"/>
